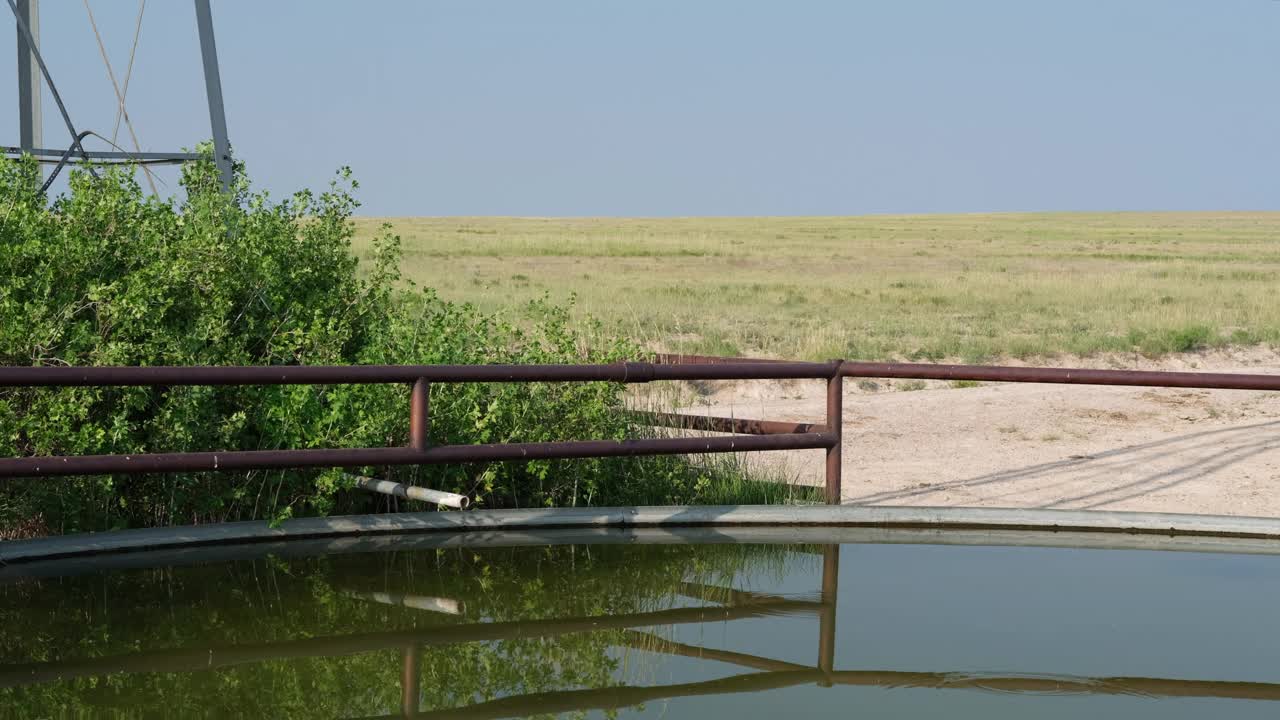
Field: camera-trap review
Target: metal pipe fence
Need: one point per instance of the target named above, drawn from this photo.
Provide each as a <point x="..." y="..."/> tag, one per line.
<point x="744" y="435"/>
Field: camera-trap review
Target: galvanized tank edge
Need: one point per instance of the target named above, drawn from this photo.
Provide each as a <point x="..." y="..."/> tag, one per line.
<point x="726" y="517"/>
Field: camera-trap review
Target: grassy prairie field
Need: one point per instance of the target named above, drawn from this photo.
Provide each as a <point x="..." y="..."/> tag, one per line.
<point x="968" y="287"/>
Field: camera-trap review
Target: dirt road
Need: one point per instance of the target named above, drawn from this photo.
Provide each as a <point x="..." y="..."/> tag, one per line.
<point x="1042" y="446"/>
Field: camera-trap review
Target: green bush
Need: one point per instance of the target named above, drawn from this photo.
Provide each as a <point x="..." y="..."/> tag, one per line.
<point x="107" y="276"/>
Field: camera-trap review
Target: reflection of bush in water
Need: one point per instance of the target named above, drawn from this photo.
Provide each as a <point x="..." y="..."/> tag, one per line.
<point x="276" y="600"/>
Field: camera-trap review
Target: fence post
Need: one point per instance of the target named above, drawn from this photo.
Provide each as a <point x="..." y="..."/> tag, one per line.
<point x="419" y="414"/>
<point x="835" y="426"/>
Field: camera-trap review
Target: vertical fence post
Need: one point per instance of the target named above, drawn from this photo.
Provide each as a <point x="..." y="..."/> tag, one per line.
<point x="409" y="682"/>
<point x="827" y="620"/>
<point x="835" y="426"/>
<point x="419" y="414"/>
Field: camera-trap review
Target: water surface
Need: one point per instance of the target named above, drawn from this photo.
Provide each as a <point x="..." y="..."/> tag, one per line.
<point x="658" y="631"/>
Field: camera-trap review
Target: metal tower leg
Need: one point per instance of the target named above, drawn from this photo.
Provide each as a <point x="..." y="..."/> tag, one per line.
<point x="213" y="87"/>
<point x="29" y="85"/>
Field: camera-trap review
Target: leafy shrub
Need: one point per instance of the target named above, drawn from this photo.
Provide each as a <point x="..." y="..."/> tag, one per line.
<point x="108" y="276"/>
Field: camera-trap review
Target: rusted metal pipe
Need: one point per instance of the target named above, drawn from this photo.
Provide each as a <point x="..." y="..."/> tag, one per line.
<point x="741" y="426"/>
<point x="790" y="436"/>
<point x="419" y="414"/>
<point x="412" y="492"/>
<point x="1073" y="376"/>
<point x="363" y="457"/>
<point x="617" y="372"/>
<point x="681" y="359"/>
<point x="625" y="372"/>
<point x="835" y="425"/>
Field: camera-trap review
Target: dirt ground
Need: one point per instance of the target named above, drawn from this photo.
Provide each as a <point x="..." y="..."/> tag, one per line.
<point x="1040" y="446"/>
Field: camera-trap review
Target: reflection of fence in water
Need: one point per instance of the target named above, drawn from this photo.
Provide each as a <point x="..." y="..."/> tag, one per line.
<point x="729" y="604"/>
<point x="213" y="658"/>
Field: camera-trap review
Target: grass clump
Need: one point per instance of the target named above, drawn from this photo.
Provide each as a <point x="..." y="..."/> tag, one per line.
<point x="1174" y="340"/>
<point x="107" y="276"/>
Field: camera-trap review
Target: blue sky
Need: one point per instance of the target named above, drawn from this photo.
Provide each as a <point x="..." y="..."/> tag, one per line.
<point x="713" y="107"/>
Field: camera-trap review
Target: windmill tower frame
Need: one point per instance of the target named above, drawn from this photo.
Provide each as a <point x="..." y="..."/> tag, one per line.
<point x="33" y="75"/>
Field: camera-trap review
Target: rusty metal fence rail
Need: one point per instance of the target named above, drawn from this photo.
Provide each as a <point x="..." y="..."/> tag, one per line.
<point x="745" y="435"/>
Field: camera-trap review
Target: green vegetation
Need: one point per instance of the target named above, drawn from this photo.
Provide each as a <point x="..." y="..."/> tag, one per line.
<point x="106" y="276"/>
<point x="967" y="287"/>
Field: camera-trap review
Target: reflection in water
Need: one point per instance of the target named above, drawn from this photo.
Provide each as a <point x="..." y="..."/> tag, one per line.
<point x="491" y="633"/>
<point x="417" y="602"/>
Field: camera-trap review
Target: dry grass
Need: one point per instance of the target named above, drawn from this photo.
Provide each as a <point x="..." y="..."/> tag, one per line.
<point x="960" y="286"/>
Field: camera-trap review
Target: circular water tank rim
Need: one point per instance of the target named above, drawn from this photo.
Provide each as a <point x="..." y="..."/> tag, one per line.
<point x="733" y="523"/>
